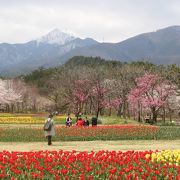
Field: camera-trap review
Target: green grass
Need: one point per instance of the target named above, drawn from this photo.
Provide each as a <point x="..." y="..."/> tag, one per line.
<point x="166" y="132"/>
<point x="104" y="120"/>
<point x="7" y="115"/>
<point x="110" y="120"/>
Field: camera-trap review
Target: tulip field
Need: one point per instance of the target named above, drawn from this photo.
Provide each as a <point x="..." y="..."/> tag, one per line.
<point x="74" y="133"/>
<point x="94" y="165"/>
<point x="86" y="165"/>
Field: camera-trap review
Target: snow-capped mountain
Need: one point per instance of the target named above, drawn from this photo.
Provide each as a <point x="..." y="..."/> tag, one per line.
<point x="55" y="48"/>
<point x="45" y="51"/>
<point x="56" y="37"/>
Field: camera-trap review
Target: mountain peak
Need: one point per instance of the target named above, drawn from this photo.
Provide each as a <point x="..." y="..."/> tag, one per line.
<point x="56" y="36"/>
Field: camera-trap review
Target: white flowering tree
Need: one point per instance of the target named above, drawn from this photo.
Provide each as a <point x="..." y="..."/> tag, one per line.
<point x="3" y="92"/>
<point x="10" y="93"/>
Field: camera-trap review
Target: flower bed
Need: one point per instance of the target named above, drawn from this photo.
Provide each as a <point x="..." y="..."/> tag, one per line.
<point x="20" y="120"/>
<point x="108" y="132"/>
<point x="172" y="157"/>
<point x="29" y="119"/>
<point x="124" y="132"/>
<point x="94" y="165"/>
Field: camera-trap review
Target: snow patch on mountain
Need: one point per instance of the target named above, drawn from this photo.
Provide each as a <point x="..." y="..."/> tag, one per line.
<point x="56" y="37"/>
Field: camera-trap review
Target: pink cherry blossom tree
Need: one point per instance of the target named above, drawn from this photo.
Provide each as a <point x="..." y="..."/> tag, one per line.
<point x="151" y="92"/>
<point x="114" y="103"/>
<point x="98" y="94"/>
<point x="80" y="94"/>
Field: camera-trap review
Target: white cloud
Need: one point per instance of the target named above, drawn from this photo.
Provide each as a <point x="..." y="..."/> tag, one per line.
<point x="113" y="21"/>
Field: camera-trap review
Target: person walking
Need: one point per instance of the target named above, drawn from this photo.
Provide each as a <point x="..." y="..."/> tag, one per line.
<point x="49" y="130"/>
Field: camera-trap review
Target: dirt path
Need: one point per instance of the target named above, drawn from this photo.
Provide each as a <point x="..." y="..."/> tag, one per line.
<point x="92" y="145"/>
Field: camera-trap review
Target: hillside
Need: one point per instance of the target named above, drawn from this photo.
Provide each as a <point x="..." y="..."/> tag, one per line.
<point x="56" y="48"/>
<point x="159" y="47"/>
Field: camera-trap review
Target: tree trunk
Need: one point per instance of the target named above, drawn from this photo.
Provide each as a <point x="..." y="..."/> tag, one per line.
<point x="110" y="111"/>
<point x="119" y="110"/>
<point x="22" y="107"/>
<point x="164" y="115"/>
<point x="86" y="108"/>
<point x="109" y="114"/>
<point x="56" y="102"/>
<point x="7" y="108"/>
<point x="124" y="110"/>
<point x="102" y="111"/>
<point x="34" y="107"/>
<point x="81" y="106"/>
<point x="128" y="112"/>
<point x="12" y="108"/>
<point x="154" y="118"/>
<point x="139" y="116"/>
<point x="90" y="107"/>
<point x="18" y="107"/>
<point x="170" y="116"/>
<point x="154" y="113"/>
<point x="139" y="112"/>
<point x="97" y="113"/>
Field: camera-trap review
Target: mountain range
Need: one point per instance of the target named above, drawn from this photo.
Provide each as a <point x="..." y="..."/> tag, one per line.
<point x="55" y="48"/>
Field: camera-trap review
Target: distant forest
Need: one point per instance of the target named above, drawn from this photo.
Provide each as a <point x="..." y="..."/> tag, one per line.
<point x="94" y="86"/>
<point x="88" y="64"/>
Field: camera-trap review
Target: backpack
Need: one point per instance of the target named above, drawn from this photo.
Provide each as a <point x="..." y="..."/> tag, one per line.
<point x="48" y="126"/>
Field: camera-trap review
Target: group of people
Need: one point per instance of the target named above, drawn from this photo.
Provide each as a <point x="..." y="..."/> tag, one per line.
<point x="80" y="122"/>
<point x="49" y="130"/>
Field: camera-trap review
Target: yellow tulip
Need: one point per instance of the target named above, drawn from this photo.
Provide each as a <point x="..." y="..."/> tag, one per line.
<point x="171" y="156"/>
<point x="147" y="156"/>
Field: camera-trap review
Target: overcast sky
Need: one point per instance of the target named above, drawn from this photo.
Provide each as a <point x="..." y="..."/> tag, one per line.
<point x="103" y="20"/>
